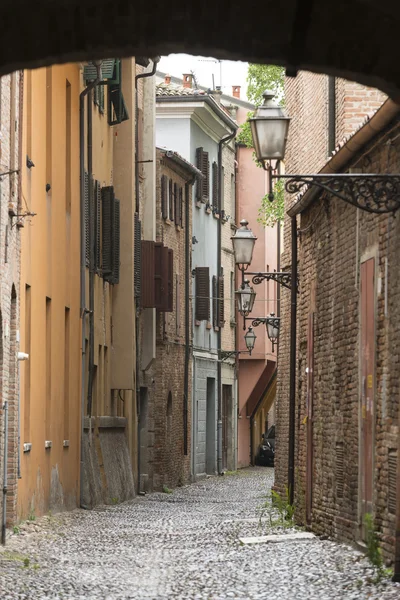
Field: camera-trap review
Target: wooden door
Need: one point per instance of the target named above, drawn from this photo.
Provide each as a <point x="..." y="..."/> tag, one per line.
<point x="309" y="408"/>
<point x="367" y="392"/>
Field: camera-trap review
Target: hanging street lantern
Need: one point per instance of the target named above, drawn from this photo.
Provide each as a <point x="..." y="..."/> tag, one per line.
<point x="245" y="296"/>
<point x="243" y="245"/>
<point x="269" y="129"/>
<point x="273" y="326"/>
<point x="250" y="339"/>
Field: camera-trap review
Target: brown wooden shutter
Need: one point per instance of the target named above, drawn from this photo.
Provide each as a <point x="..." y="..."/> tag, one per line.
<point x="164" y="205"/>
<point x="177" y="207"/>
<point x="86" y="224"/>
<point x="221" y="302"/>
<point x="215" y="200"/>
<point x="199" y="163"/>
<point x="170" y="298"/>
<point x="202" y="311"/>
<point x="137" y="273"/>
<point x="171" y="200"/>
<point x="215" y="301"/>
<point x="222" y="199"/>
<point x="116" y="240"/>
<point x="108" y="215"/>
<point x="148" y="274"/>
<point x="181" y="207"/>
<point x="161" y="265"/>
<point x="205" y="169"/>
<point x="97" y="253"/>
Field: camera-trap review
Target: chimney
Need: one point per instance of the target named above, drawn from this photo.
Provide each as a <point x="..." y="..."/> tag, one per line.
<point x="167" y="79"/>
<point x="187" y="80"/>
<point x="236" y="91"/>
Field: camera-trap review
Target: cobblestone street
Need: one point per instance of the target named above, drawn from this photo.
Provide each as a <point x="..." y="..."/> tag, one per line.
<point x="180" y="545"/>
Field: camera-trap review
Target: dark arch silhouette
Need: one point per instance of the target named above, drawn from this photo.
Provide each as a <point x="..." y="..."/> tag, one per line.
<point x="356" y="39"/>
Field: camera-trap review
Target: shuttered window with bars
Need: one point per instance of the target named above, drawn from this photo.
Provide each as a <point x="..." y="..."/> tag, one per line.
<point x="177" y="206"/>
<point x="87" y="247"/>
<point x="215" y="199"/>
<point x="110" y="235"/>
<point x="170" y="200"/>
<point x="97" y="225"/>
<point x="202" y="308"/>
<point x="181" y="207"/>
<point x="203" y="185"/>
<point x="137" y="274"/>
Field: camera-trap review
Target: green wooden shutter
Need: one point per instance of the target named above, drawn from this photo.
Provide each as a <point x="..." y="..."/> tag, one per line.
<point x="137" y="260"/>
<point x="202" y="279"/>
<point x="115" y="242"/>
<point x="108" y="215"/>
<point x="97" y="224"/>
<point x="86" y="224"/>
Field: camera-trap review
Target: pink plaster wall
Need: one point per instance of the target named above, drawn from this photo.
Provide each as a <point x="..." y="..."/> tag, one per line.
<point x="251" y="187"/>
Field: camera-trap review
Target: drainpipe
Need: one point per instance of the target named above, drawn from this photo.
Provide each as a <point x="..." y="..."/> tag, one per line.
<point x="292" y="375"/>
<point x="155" y="60"/>
<point x="187" y="322"/>
<point x="331" y="114"/>
<point x="224" y="140"/>
<point x="4" y="514"/>
<point x="83" y="247"/>
<point x="91" y="253"/>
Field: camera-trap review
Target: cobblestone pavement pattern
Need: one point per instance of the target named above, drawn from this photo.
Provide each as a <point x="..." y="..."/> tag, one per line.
<point x="182" y="545"/>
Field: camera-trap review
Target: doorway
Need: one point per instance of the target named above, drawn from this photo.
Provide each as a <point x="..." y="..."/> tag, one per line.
<point x="367" y="392"/>
<point x="211" y="427"/>
<point x="227" y="428"/>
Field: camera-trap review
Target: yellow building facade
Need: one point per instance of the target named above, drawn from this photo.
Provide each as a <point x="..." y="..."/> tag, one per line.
<point x="50" y="282"/>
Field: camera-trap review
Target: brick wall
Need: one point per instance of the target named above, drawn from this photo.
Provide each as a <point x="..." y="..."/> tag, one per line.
<point x="10" y="277"/>
<point x="168" y="465"/>
<point x="336" y="237"/>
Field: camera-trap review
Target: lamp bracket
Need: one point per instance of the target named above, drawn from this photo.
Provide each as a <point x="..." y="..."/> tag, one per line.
<point x="255" y="322"/>
<point x="225" y="354"/>
<point x="372" y="193"/>
<point x="283" y="278"/>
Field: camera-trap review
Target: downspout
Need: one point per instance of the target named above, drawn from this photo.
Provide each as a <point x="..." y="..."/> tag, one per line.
<point x="137" y="207"/>
<point x="223" y="141"/>
<point x="331" y="114"/>
<point x="91" y="254"/>
<point x="187" y="321"/>
<point x="20" y="136"/>
<point x="292" y="375"/>
<point x="83" y="250"/>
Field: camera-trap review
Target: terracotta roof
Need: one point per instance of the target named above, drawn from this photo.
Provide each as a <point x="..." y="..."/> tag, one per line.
<point x="178" y="159"/>
<point x="163" y="89"/>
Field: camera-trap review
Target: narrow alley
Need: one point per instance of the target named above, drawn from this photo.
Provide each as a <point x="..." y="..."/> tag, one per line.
<point x="183" y="544"/>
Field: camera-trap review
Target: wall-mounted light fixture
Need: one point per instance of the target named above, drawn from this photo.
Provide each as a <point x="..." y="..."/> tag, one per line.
<point x="374" y="193"/>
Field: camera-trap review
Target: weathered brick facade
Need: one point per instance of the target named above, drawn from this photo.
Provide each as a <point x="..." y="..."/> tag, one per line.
<point x="10" y="268"/>
<point x="334" y="241"/>
<point x="165" y="416"/>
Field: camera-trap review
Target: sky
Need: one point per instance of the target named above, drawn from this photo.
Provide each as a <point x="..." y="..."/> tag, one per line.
<point x="233" y="72"/>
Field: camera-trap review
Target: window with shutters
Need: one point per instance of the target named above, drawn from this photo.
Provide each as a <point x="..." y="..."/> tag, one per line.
<point x="222" y="206"/>
<point x="177" y="206"/>
<point x="181" y="207"/>
<point x="164" y="196"/>
<point x="97" y="224"/>
<point x="157" y="285"/>
<point x="215" y="301"/>
<point x="221" y="300"/>
<point x="203" y="185"/>
<point x="178" y="306"/>
<point x="148" y="280"/>
<point x="170" y="200"/>
<point x="110" y="235"/>
<point x="202" y="282"/>
<point x="215" y="199"/>
<point x="98" y="97"/>
<point x="117" y="111"/>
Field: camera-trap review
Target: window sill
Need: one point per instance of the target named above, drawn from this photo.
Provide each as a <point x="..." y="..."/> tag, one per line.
<point x="197" y="323"/>
<point x="208" y="326"/>
<point x="198" y="204"/>
<point x="168" y="222"/>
